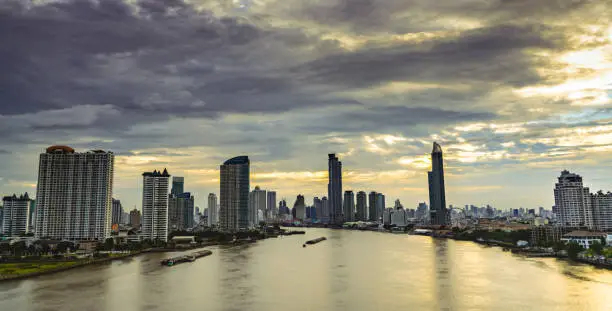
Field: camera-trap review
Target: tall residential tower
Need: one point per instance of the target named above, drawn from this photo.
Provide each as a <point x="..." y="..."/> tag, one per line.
<point x="235" y="186"/>
<point x="437" y="195"/>
<point x="155" y="205"/>
<point x="334" y="189"/>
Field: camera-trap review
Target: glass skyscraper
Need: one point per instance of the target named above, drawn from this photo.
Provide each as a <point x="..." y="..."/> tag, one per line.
<point x="334" y="189"/>
<point x="234" y="196"/>
<point x="437" y="195"/>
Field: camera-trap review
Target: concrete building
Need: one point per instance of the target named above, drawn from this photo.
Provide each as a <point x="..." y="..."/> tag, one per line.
<point x="602" y="211"/>
<point x="257" y="204"/>
<point x="234" y="199"/>
<point x="573" y="201"/>
<point x="155" y="205"/>
<point x="213" y="212"/>
<point x="349" y="206"/>
<point x="16" y="215"/>
<point x="437" y="195"/>
<point x="32" y="224"/>
<point x="178" y="185"/>
<point x="271" y="211"/>
<point x="325" y="215"/>
<point x="300" y="208"/>
<point x="380" y="204"/>
<point x="317" y="204"/>
<point x="117" y="211"/>
<point x="362" y="206"/>
<point x="74" y="194"/>
<point x="180" y="212"/>
<point x="135" y="218"/>
<point x="585" y="238"/>
<point x="372" y="214"/>
<point x="334" y="189"/>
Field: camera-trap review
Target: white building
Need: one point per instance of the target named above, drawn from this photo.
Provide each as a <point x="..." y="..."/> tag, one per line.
<point x="16" y="216"/>
<point x="74" y="194"/>
<point x="573" y="201"/>
<point x="213" y="211"/>
<point x="155" y="205"/>
<point x="585" y="238"/>
<point x="602" y="211"/>
<point x="257" y="203"/>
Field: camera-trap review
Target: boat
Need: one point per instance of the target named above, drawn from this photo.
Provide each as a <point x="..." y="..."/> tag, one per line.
<point x="315" y="241"/>
<point x="185" y="258"/>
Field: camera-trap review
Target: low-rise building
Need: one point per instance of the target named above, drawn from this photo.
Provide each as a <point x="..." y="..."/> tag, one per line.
<point x="585" y="238"/>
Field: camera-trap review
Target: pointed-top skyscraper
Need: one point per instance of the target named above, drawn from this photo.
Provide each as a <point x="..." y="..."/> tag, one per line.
<point x="437" y="195"/>
<point x="334" y="189"/>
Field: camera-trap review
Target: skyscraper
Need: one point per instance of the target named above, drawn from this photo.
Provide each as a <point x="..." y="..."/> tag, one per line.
<point x="271" y="205"/>
<point x="300" y="208"/>
<point x="573" y="201"/>
<point x="178" y="185"/>
<point x="362" y="206"/>
<point x="16" y="216"/>
<point x="602" y="211"/>
<point x="326" y="210"/>
<point x="437" y="195"/>
<point x="180" y="211"/>
<point x="380" y="205"/>
<point x="257" y="204"/>
<point x="213" y="213"/>
<point x="155" y="205"/>
<point x="116" y="213"/>
<point x="334" y="189"/>
<point x="372" y="207"/>
<point x="235" y="186"/>
<point x="135" y="218"/>
<point x="349" y="206"/>
<point x="421" y="212"/>
<point x="74" y="194"/>
<point x="318" y="207"/>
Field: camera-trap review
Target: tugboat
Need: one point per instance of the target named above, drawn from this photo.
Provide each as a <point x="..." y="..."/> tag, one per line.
<point x="315" y="241"/>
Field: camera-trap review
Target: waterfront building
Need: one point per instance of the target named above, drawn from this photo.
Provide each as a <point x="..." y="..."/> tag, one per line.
<point x="180" y="212"/>
<point x="422" y="211"/>
<point x="349" y="206"/>
<point x="372" y="214"/>
<point x="271" y="211"/>
<point x="334" y="189"/>
<point x="213" y="212"/>
<point x="74" y="194"/>
<point x="135" y="218"/>
<point x="602" y="211"/>
<point x="573" y="201"/>
<point x="300" y="208"/>
<point x="585" y="238"/>
<point x="437" y="195"/>
<point x="399" y="216"/>
<point x="16" y="215"/>
<point x="325" y="216"/>
<point x="178" y="185"/>
<point x="318" y="207"/>
<point x="362" y="206"/>
<point x="155" y="205"/>
<point x="380" y="205"/>
<point x="234" y="198"/>
<point x="117" y="211"/>
<point x="257" y="204"/>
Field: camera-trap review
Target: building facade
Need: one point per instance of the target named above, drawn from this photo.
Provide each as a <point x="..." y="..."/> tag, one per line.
<point x="349" y="206"/>
<point x="117" y="212"/>
<point x="573" y="201"/>
<point x="271" y="211"/>
<point x="135" y="218"/>
<point x="602" y="211"/>
<point x="16" y="215"/>
<point x="155" y="205"/>
<point x="300" y="208"/>
<point x="257" y="206"/>
<point x="380" y="205"/>
<point x="213" y="212"/>
<point x="234" y="199"/>
<point x="362" y="206"/>
<point x="372" y="214"/>
<point x="334" y="189"/>
<point x="74" y="194"/>
<point x="178" y="185"/>
<point x="180" y="212"/>
<point x="438" y="214"/>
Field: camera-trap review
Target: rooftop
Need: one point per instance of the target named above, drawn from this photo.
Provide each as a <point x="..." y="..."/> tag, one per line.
<point x="585" y="234"/>
<point x="436" y="148"/>
<point x="157" y="173"/>
<point x="14" y="197"/>
<point x="237" y="160"/>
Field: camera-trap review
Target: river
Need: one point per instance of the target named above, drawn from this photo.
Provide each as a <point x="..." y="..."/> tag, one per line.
<point x="352" y="270"/>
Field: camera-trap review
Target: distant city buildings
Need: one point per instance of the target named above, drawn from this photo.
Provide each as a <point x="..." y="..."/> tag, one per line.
<point x="178" y="185"/>
<point x="602" y="210"/>
<point x="349" y="206"/>
<point x="155" y="205"/>
<point x="212" y="212"/>
<point x="16" y="215"/>
<point x="234" y="198"/>
<point x="372" y="213"/>
<point x="380" y="205"/>
<point x="271" y="211"/>
<point x="180" y="206"/>
<point x="74" y="194"/>
<point x="362" y="206"/>
<point x="422" y="212"/>
<point x="317" y="204"/>
<point x="257" y="206"/>
<point x="135" y="218"/>
<point x="117" y="212"/>
<point x="437" y="196"/>
<point x="300" y="208"/>
<point x="334" y="189"/>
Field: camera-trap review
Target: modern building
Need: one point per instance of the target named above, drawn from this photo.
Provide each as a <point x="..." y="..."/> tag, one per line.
<point x="573" y="201"/>
<point x="178" y="185"/>
<point x="271" y="211"/>
<point x="300" y="208"/>
<point x="602" y="211"/>
<point x="257" y="204"/>
<point x="135" y="218"/>
<point x="74" y="194"/>
<point x="213" y="212"/>
<point x="32" y="216"/>
<point x="325" y="215"/>
<point x="362" y="206"/>
<point x="372" y="213"/>
<point x="117" y="212"/>
<point x="155" y="205"/>
<point x="585" y="238"/>
<point x="437" y="196"/>
<point x="283" y="209"/>
<point x="380" y="204"/>
<point x="334" y="189"/>
<point x="349" y="206"/>
<point x="235" y="186"/>
<point x="317" y="204"/>
<point x="16" y="216"/>
<point x="180" y="212"/>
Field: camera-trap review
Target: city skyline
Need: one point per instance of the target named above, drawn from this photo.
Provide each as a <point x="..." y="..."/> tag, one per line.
<point x="513" y="102"/>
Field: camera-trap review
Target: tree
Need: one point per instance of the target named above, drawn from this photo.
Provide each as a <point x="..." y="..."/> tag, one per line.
<point x="597" y="247"/>
<point x="109" y="244"/>
<point x="559" y="246"/>
<point x="573" y="249"/>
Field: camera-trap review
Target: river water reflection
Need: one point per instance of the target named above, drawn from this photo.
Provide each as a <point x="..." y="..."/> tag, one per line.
<point x="352" y="270"/>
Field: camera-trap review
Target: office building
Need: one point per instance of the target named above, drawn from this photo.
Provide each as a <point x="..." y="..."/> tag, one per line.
<point x="349" y="206"/>
<point x="213" y="212"/>
<point x="257" y="206"/>
<point x="437" y="197"/>
<point x="325" y="215"/>
<point x="380" y="204"/>
<point x="334" y="189"/>
<point x="362" y="206"/>
<point x="16" y="215"/>
<point x="317" y="204"/>
<point x="422" y="211"/>
<point x="573" y="201"/>
<point x="283" y="209"/>
<point x="74" y="194"/>
<point x="271" y="211"/>
<point x="180" y="212"/>
<point x="155" y="205"/>
<point x="234" y="199"/>
<point x="117" y="211"/>
<point x="178" y="185"/>
<point x="135" y="218"/>
<point x="300" y="208"/>
<point x="372" y="213"/>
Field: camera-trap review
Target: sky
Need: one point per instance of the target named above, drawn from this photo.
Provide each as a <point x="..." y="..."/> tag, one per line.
<point x="514" y="90"/>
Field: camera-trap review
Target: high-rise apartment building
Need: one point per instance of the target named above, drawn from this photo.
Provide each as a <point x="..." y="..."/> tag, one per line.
<point x="178" y="185"/>
<point x="180" y="212"/>
<point x="257" y="205"/>
<point x="573" y="201"/>
<point x="437" y="195"/>
<point x="380" y="205"/>
<point x="325" y="215"/>
<point x="74" y="194"/>
<point x="372" y="214"/>
<point x="349" y="206"/>
<point x="300" y="208"/>
<point x="362" y="206"/>
<point x="235" y="186"/>
<point x="602" y="211"/>
<point x="135" y="218"/>
<point x="271" y="211"/>
<point x="155" y="205"/>
<point x="213" y="212"/>
<point x="16" y="216"/>
<point x="117" y="212"/>
<point x="318" y="207"/>
<point x="334" y="189"/>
